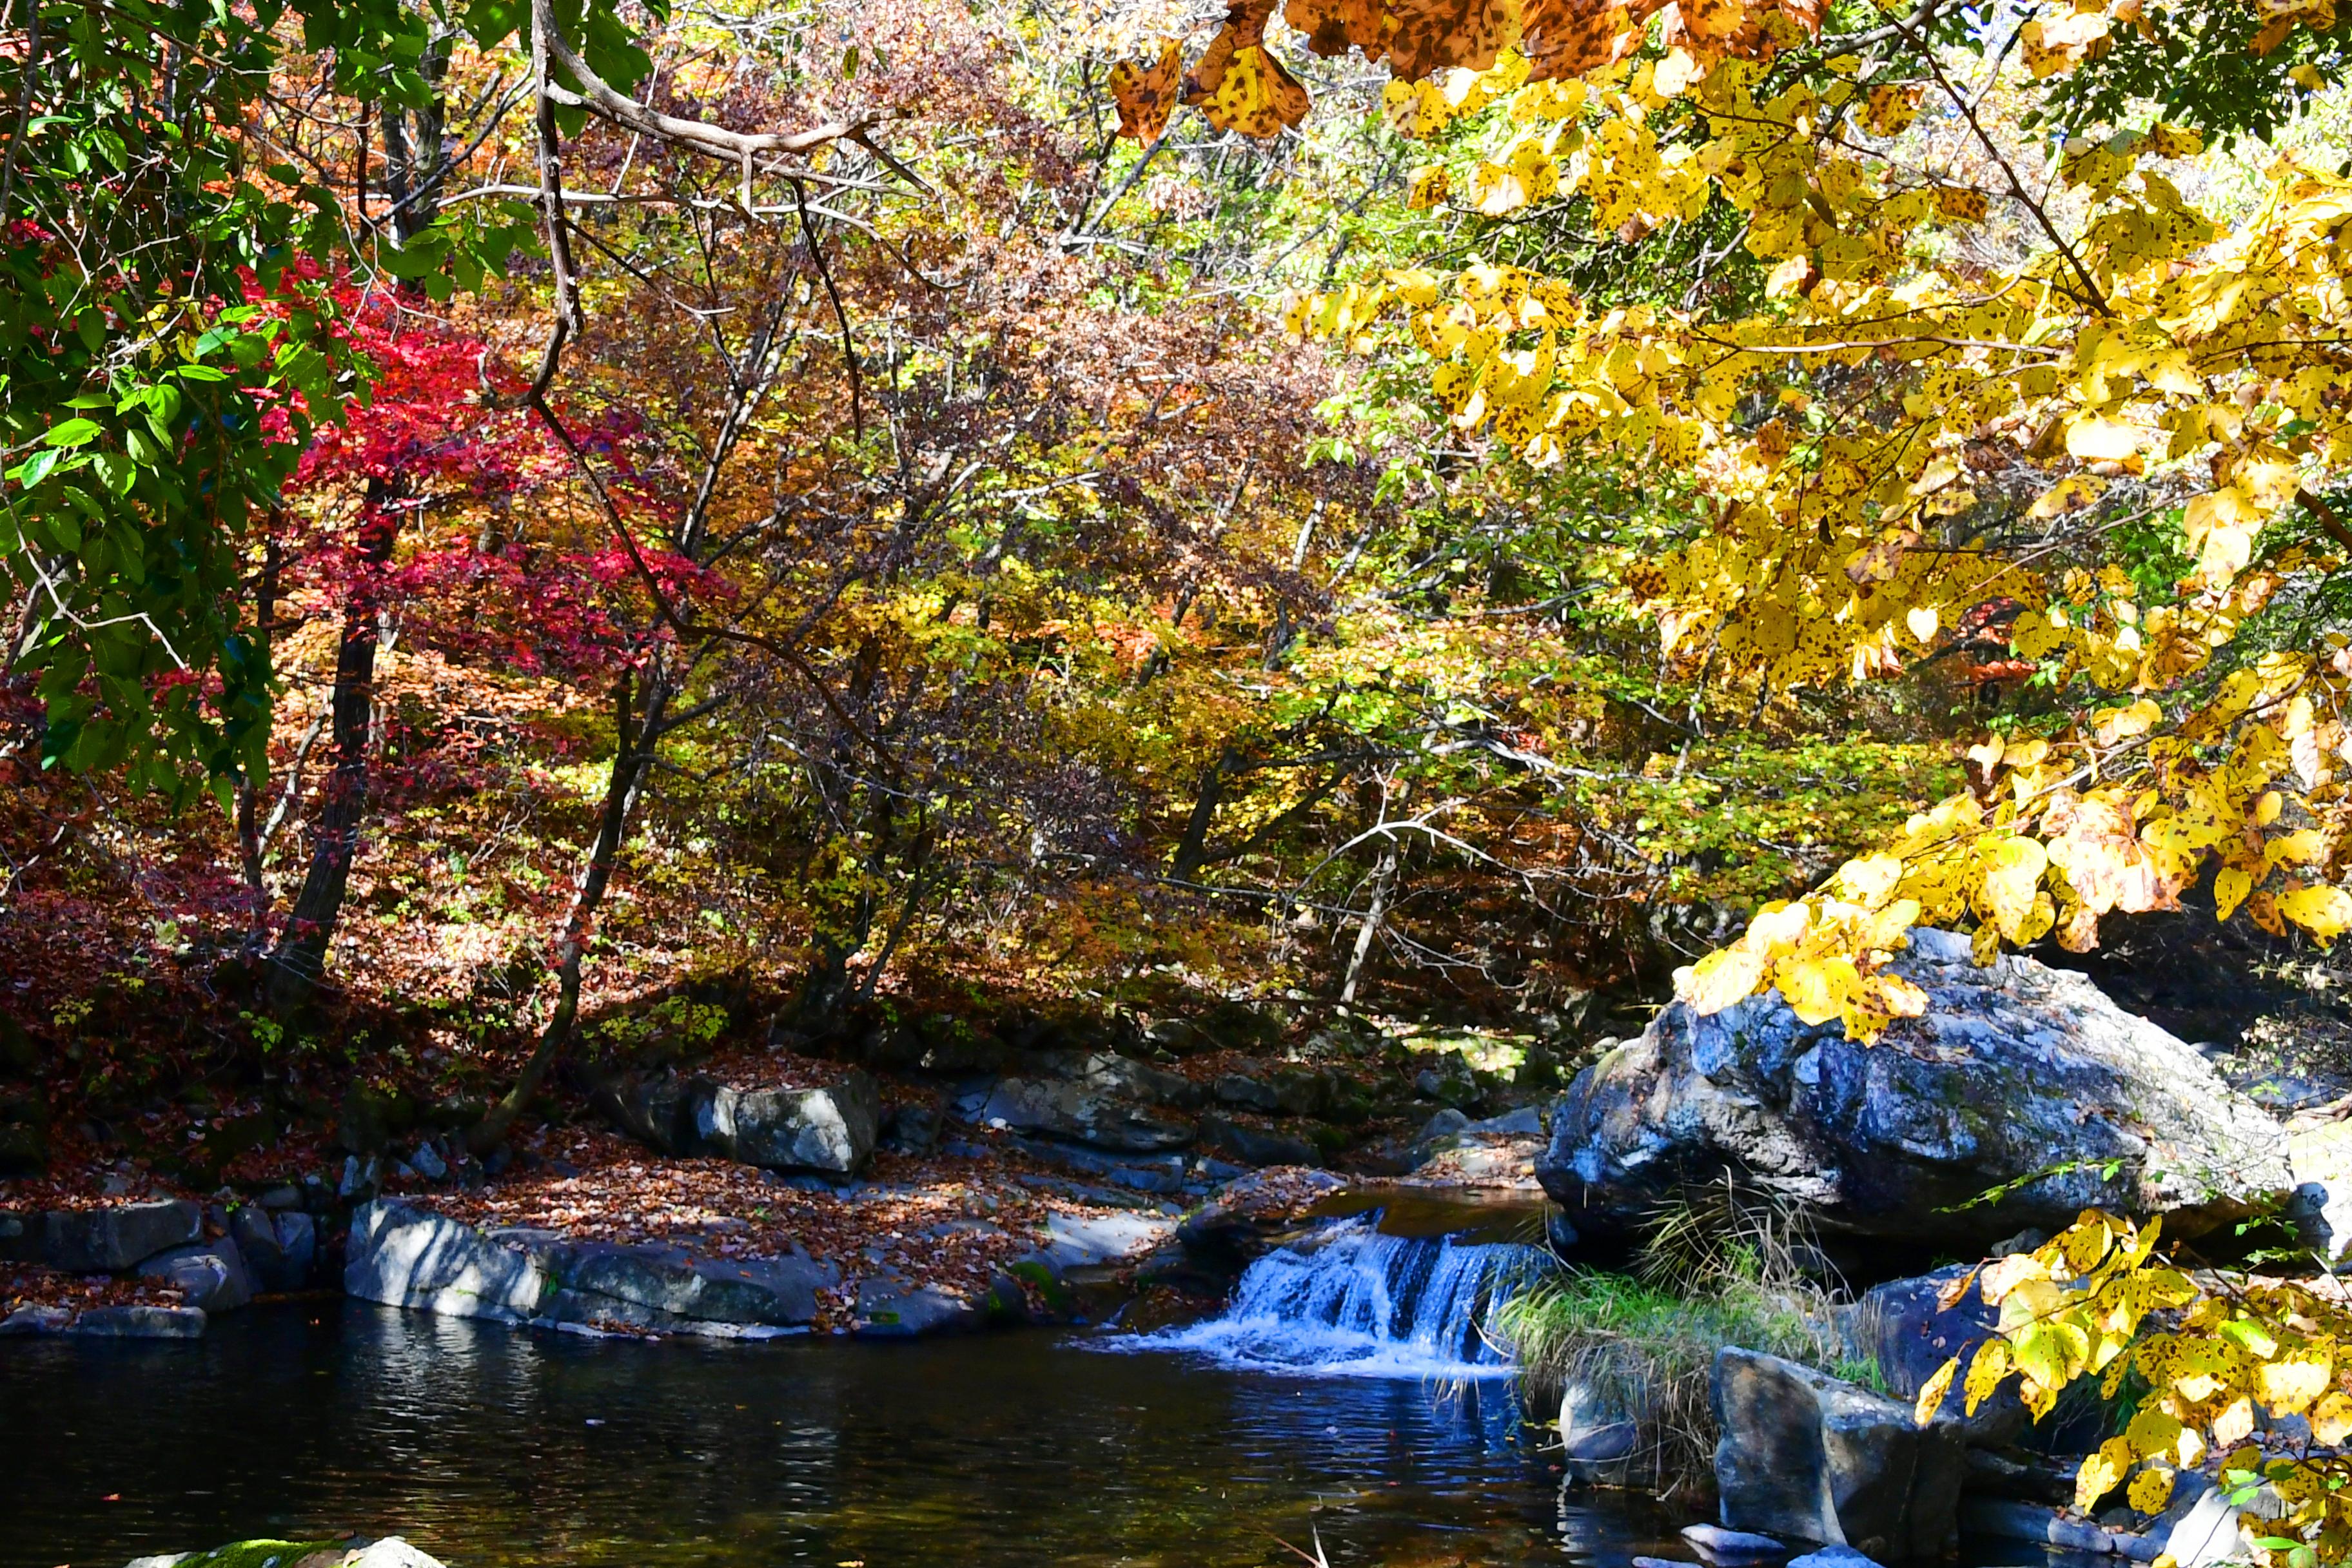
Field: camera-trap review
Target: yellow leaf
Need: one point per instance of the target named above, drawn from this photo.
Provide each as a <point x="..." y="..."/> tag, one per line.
<point x="2101" y="1473"/>
<point x="2326" y="912"/>
<point x="2231" y="885"/>
<point x="1816" y="989"/>
<point x="2151" y="1490"/>
<point x="1931" y="1392"/>
<point x="2153" y="1433"/>
<point x="2235" y="1422"/>
<point x="1727" y="974"/>
<point x="1922" y="620"/>
<point x="1991" y="1363"/>
<point x="2101" y="440"/>
<point x="2331" y="1418"/>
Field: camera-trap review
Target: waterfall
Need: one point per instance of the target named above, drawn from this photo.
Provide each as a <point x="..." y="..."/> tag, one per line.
<point x="1349" y="1301"/>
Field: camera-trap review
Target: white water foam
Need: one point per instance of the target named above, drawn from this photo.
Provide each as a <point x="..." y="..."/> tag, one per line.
<point x="1351" y="1302"/>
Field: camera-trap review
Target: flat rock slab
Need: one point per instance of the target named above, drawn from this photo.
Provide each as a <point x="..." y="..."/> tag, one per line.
<point x="1081" y="1113"/>
<point x="136" y="1323"/>
<point x="2019" y="1078"/>
<point x="890" y="1308"/>
<point x="391" y="1551"/>
<point x="1096" y="1241"/>
<point x="407" y="1256"/>
<point x="1733" y="1545"/>
<point x="101" y="1241"/>
<point x="404" y="1255"/>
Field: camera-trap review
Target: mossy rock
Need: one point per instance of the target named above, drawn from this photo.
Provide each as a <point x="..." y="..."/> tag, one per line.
<point x="267" y="1554"/>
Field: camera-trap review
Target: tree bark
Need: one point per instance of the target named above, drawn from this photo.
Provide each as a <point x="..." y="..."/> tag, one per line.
<point x="1383" y="879"/>
<point x="299" y="960"/>
<point x="631" y="755"/>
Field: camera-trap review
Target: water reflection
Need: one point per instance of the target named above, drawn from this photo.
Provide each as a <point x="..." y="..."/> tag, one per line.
<point x="491" y="1447"/>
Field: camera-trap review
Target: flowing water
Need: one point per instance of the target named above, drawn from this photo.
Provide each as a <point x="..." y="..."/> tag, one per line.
<point x="1352" y="1301"/>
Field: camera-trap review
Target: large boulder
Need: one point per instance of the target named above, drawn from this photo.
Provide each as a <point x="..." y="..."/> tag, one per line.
<point x="210" y="1275"/>
<point x="408" y="1257"/>
<point x="1801" y="1453"/>
<point x="1905" y="1330"/>
<point x="1080" y="1112"/>
<point x="279" y="1247"/>
<point x="2020" y="1081"/>
<point x="833" y="1129"/>
<point x="109" y="1240"/>
<point x="664" y="1287"/>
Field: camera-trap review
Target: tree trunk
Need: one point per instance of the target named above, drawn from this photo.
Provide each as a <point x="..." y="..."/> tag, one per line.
<point x="1192" y="845"/>
<point x="1383" y="879"/>
<point x="299" y="957"/>
<point x="630" y="755"/>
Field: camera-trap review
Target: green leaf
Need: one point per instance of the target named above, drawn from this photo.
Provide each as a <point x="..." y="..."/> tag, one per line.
<point x="73" y="433"/>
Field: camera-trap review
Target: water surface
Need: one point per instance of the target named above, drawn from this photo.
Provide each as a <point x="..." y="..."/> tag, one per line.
<point x="491" y="1446"/>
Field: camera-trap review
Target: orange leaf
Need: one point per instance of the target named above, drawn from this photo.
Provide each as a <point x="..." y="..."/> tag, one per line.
<point x="1146" y="95"/>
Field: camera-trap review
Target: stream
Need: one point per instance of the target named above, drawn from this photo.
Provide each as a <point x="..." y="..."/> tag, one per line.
<point x="1346" y="1398"/>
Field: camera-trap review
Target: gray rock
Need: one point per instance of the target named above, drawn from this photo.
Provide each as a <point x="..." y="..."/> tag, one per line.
<point x="889" y="1308"/>
<point x="2016" y="1069"/>
<point x="428" y="1163"/>
<point x="1833" y="1557"/>
<point x="407" y="1256"/>
<point x="207" y="1274"/>
<point x="665" y="1287"/>
<point x="911" y="1128"/>
<point x="1447" y="1124"/>
<point x="2006" y="1518"/>
<point x="1902" y="1326"/>
<point x="1256" y="1145"/>
<point x="1733" y="1545"/>
<point x="1527" y="1121"/>
<point x="359" y="1178"/>
<point x="140" y="1322"/>
<point x="1804" y="1455"/>
<point x="1125" y="1077"/>
<point x="1080" y="1113"/>
<point x="109" y="1240"/>
<point x="832" y="1130"/>
<point x="392" y="1552"/>
<point x="1247" y="1217"/>
<point x="2208" y="1533"/>
<point x="1095" y="1241"/>
<point x="278" y="1248"/>
<point x="35" y="1318"/>
<point x="1249" y="1093"/>
<point x="808" y="1130"/>
<point x="1602" y="1408"/>
<point x="2320" y="1207"/>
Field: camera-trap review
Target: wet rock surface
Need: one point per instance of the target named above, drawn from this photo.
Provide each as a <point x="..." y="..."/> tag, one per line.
<point x="1804" y="1455"/>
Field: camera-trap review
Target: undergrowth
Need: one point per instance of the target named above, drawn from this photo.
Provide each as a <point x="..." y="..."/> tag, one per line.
<point x="1641" y="1346"/>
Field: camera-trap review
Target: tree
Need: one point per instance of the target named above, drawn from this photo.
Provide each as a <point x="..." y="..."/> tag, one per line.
<point x="2115" y="437"/>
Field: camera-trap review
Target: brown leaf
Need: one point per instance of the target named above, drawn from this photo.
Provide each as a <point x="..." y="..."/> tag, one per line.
<point x="1564" y="38"/>
<point x="1433" y="35"/>
<point x="1146" y="95"/>
<point x="1333" y="27"/>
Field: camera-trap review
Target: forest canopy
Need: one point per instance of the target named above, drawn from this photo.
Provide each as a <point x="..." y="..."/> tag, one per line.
<point x="513" y="506"/>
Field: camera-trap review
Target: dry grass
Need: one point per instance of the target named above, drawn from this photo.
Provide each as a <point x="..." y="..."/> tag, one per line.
<point x="1713" y="1271"/>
